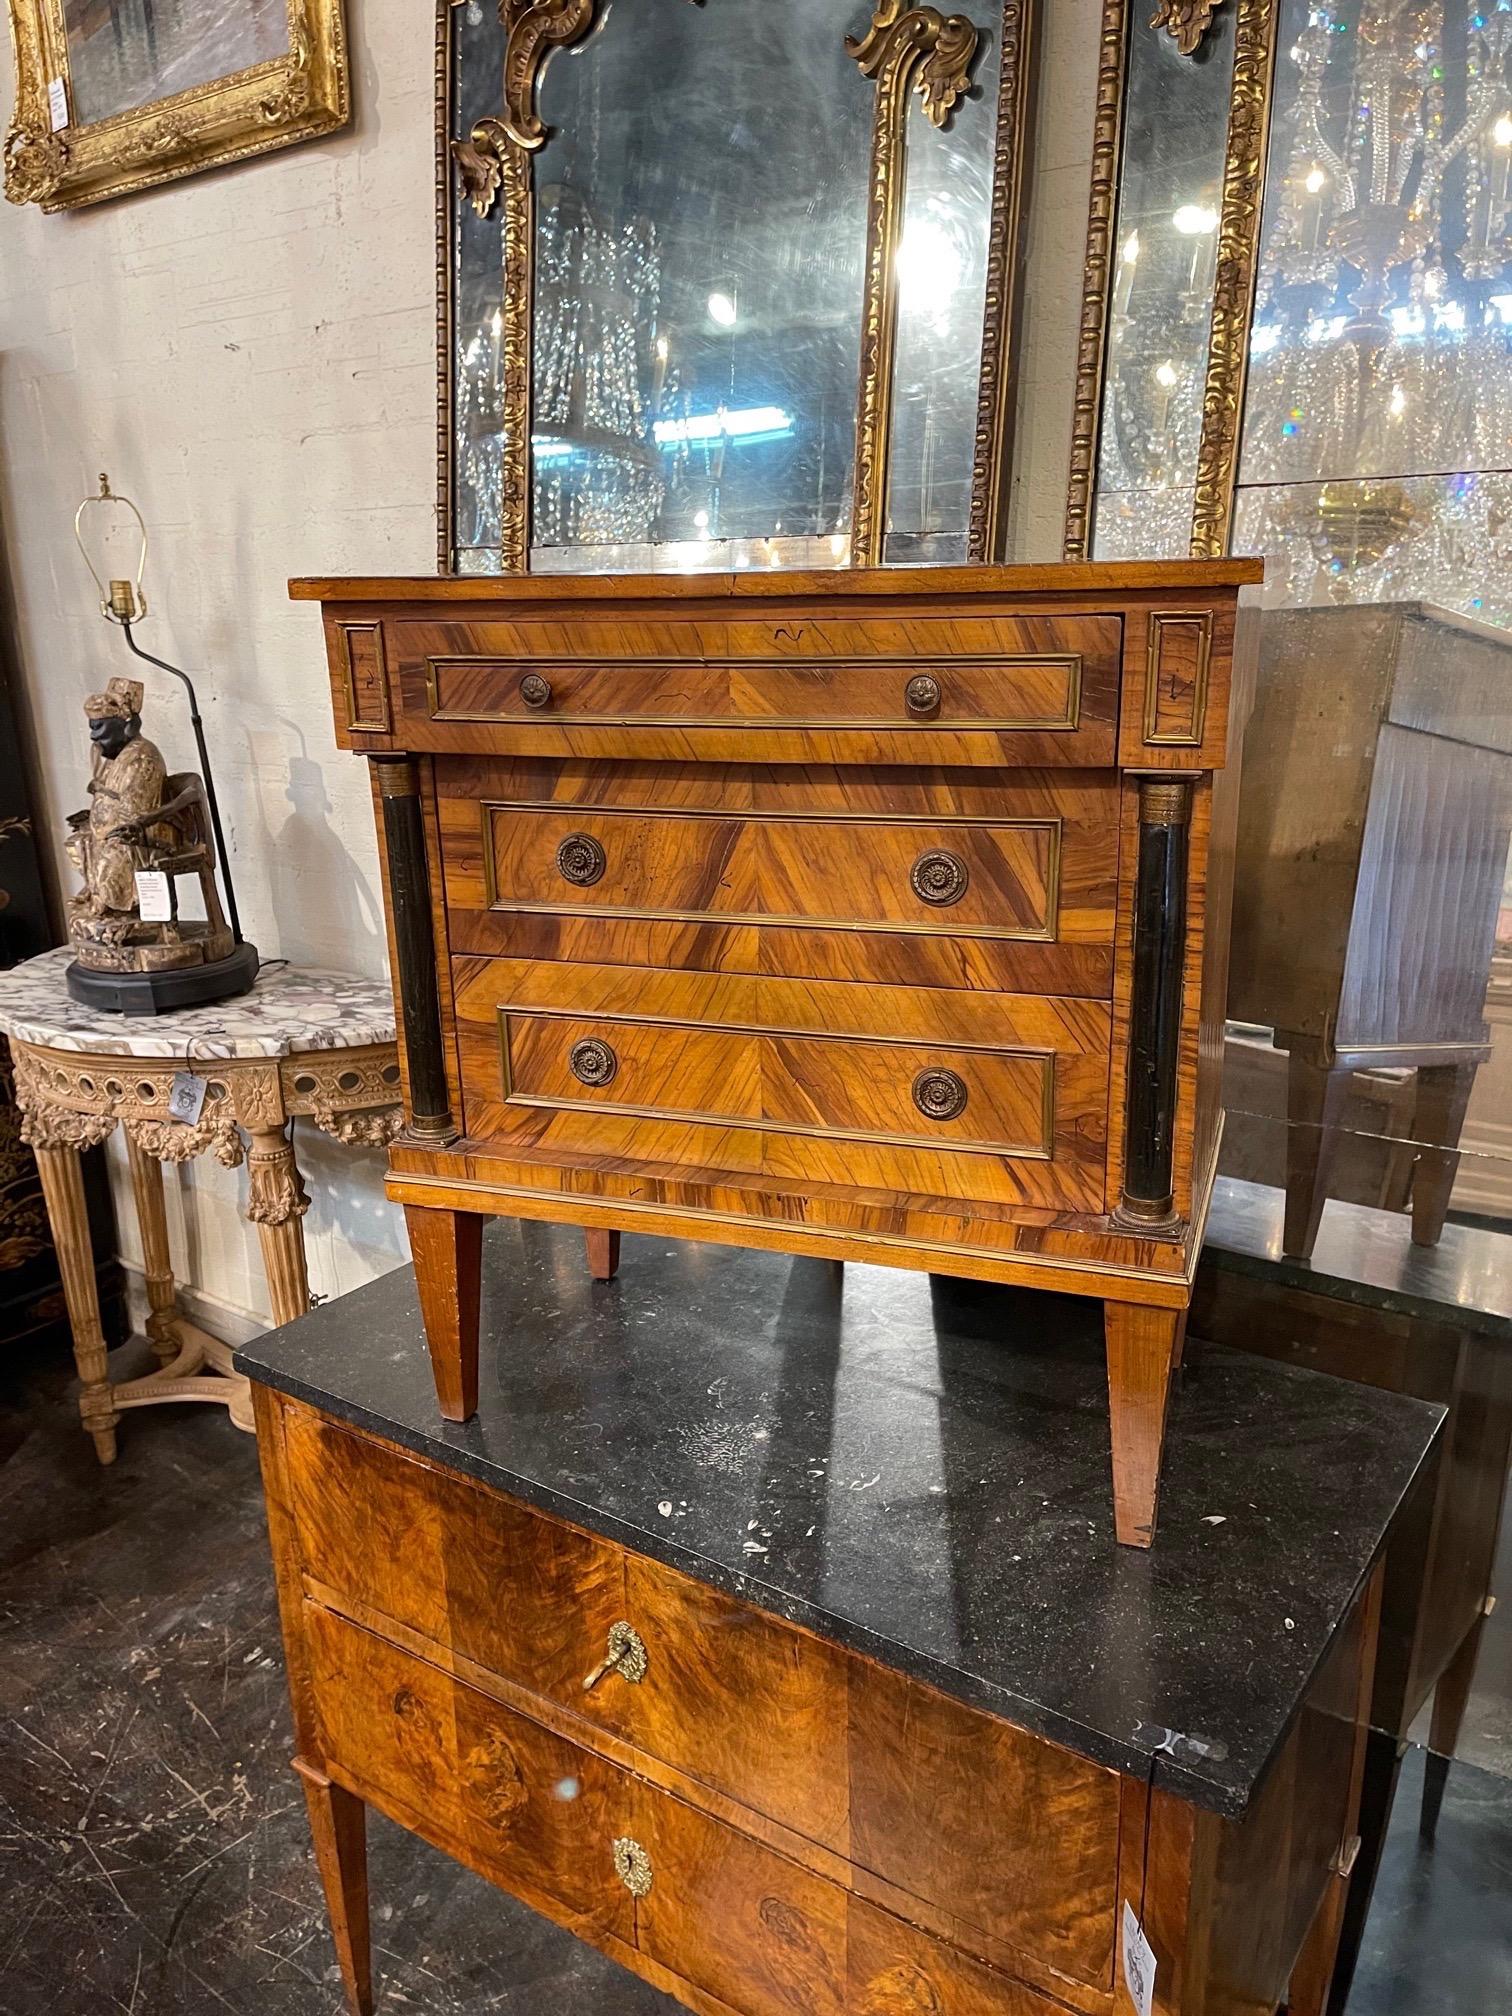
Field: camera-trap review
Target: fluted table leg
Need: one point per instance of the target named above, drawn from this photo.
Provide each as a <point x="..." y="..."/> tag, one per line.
<point x="63" y="1192"/>
<point x="152" y="1220"/>
<point x="277" y="1206"/>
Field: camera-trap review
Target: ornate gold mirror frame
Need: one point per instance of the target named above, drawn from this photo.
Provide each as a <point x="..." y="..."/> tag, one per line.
<point x="1187" y="22"/>
<point x="60" y="164"/>
<point x="906" y="50"/>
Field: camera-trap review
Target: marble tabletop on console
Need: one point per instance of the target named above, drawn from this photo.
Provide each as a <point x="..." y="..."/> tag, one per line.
<point x="289" y="1010"/>
<point x="917" y="1468"/>
<point x="1365" y="1256"/>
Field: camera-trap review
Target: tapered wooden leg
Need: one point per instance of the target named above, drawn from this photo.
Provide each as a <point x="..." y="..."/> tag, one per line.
<point x="603" y="1253"/>
<point x="1443" y="1094"/>
<point x="338" y="1823"/>
<point x="1451" y="1697"/>
<point x="152" y="1222"/>
<point x="448" y="1252"/>
<point x="1316" y="1094"/>
<point x="68" y="1216"/>
<point x="1382" y="1767"/>
<point x="1141" y="1346"/>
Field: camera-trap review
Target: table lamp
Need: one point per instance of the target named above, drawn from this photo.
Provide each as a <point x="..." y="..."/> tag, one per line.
<point x="144" y="829"/>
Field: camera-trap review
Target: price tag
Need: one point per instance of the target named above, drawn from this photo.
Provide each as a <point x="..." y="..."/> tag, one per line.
<point x="187" y="1099"/>
<point x="1138" y="1963"/>
<point x="154" y="897"/>
<point x="57" y="103"/>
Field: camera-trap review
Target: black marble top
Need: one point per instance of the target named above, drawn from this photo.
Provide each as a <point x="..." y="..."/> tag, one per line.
<point x="1367" y="1257"/>
<point x="916" y="1467"/>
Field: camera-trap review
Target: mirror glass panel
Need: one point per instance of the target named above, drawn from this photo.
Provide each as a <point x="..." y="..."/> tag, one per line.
<point x="942" y="296"/>
<point x="700" y="232"/>
<point x="1164" y="255"/>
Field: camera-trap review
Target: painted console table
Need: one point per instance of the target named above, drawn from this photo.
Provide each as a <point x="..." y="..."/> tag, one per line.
<point x="303" y="1043"/>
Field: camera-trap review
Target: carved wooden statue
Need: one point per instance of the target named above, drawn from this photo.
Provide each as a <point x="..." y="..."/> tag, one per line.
<point x="139" y="820"/>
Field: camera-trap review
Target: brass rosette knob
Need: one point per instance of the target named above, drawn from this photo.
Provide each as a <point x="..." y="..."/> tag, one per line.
<point x="593" y="1062"/>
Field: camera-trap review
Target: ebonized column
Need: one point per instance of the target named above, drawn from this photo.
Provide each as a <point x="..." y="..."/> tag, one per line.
<point x="1160" y="901"/>
<point x="430" y="1115"/>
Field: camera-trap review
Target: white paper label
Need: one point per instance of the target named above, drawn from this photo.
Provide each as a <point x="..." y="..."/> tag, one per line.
<point x="57" y="103"/>
<point x="1138" y="1963"/>
<point x="187" y="1099"/>
<point x="154" y="897"/>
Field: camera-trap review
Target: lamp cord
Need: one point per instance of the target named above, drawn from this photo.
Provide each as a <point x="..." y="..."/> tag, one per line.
<point x="208" y="780"/>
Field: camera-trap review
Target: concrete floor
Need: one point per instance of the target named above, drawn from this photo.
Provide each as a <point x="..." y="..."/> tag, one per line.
<point x="153" y="1851"/>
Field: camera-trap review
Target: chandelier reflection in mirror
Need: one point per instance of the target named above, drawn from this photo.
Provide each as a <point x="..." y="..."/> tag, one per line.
<point x="1380" y="370"/>
<point x="1375" y="438"/>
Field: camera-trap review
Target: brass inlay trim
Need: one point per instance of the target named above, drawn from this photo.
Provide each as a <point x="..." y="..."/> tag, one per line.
<point x="1160" y="620"/>
<point x="1097" y="282"/>
<point x="1069" y="662"/>
<point x="1041" y="1151"/>
<point x="1234" y="283"/>
<point x="614" y="1210"/>
<point x="354" y="723"/>
<point x="1042" y="934"/>
<point x="905" y="48"/>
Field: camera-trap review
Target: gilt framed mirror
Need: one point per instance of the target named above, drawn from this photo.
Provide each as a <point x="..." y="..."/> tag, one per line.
<point x="726" y="283"/>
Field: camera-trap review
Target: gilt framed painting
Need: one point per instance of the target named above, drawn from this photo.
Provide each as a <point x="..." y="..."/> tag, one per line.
<point x="113" y="96"/>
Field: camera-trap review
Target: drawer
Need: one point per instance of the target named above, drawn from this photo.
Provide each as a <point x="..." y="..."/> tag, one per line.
<point x="969" y="1096"/>
<point x="1026" y="688"/>
<point x="936" y="1800"/>
<point x="618" y="1859"/>
<point x="535" y="1813"/>
<point x="860" y="875"/>
<point x="521" y="1594"/>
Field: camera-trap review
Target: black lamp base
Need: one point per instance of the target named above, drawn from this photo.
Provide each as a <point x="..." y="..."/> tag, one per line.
<point x="158" y="993"/>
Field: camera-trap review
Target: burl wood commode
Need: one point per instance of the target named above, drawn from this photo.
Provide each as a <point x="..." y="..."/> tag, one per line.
<point x="705" y="1639"/>
<point x="876" y="915"/>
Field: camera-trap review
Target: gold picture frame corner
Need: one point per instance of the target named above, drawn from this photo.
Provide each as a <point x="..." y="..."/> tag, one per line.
<point x="301" y="96"/>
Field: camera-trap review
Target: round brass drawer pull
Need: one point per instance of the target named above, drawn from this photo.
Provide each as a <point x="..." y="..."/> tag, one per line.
<point x="580" y="859"/>
<point x="535" y="691"/>
<point x="922" y="694"/>
<point x="633" y="1866"/>
<point x="940" y="878"/>
<point x="593" y="1062"/>
<point x="626" y="1656"/>
<point x="939" y="1094"/>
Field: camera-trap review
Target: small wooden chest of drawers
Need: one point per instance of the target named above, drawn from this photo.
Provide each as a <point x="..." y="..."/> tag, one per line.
<point x="814" y="1734"/>
<point x="874" y="915"/>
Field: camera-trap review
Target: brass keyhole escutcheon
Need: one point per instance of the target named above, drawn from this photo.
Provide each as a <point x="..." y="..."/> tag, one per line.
<point x="940" y="1094"/>
<point x="592" y="1062"/>
<point x="535" y="691"/>
<point x="633" y="1866"/>
<point x="581" y="859"/>
<point x="626" y="1656"/>
<point x="922" y="694"/>
<point x="940" y="878"/>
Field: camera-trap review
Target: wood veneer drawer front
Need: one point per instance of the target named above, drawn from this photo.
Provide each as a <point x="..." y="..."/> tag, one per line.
<point x="520" y="1594"/>
<point x="993" y="1097"/>
<point x="534" y="1812"/>
<point x="997" y="879"/>
<point x="1010" y="1835"/>
<point x="1045" y="686"/>
<point x="768" y="1938"/>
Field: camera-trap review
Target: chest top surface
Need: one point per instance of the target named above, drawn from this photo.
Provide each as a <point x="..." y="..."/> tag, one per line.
<point x="914" y="1467"/>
